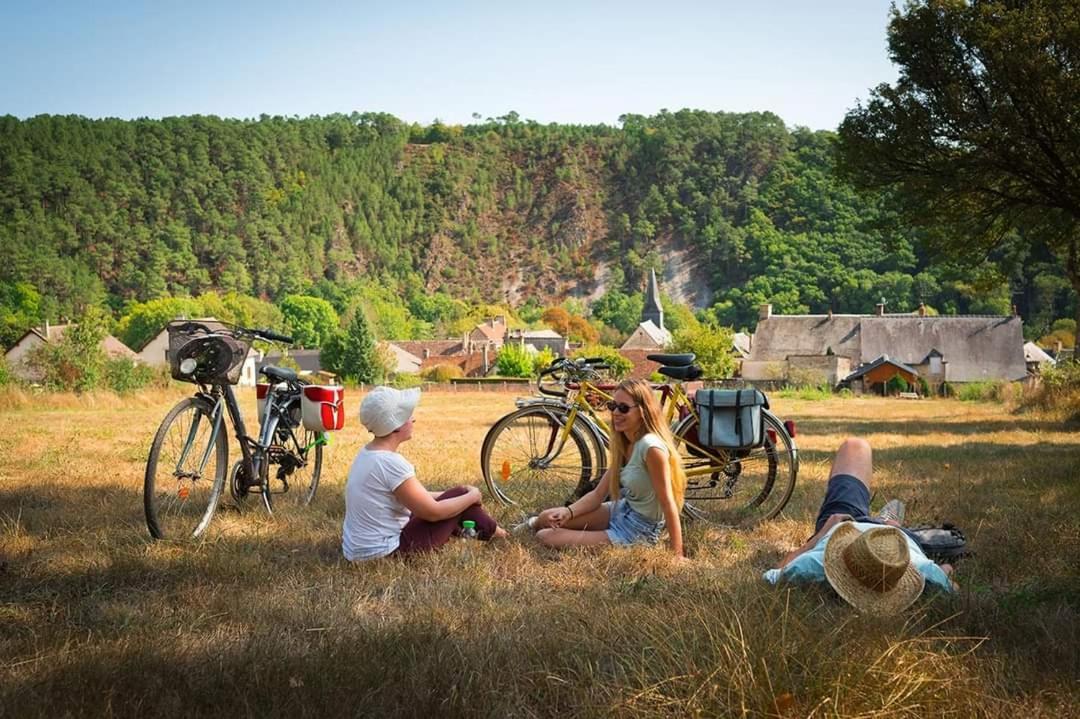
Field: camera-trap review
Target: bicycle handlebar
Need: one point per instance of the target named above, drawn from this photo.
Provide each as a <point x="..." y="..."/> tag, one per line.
<point x="272" y="336"/>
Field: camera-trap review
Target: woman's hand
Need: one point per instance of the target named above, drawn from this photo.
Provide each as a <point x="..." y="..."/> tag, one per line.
<point x="554" y="517"/>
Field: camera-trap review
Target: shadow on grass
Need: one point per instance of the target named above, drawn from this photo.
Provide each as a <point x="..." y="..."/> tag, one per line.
<point x="860" y="427"/>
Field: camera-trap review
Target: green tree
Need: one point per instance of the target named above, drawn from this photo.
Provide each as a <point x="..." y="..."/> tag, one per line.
<point x="617" y="309"/>
<point x="620" y="366"/>
<point x="352" y="354"/>
<point x="712" y="344"/>
<point x="980" y="135"/>
<point x="311" y="320"/>
<point x="144" y="320"/>
<point x="20" y="309"/>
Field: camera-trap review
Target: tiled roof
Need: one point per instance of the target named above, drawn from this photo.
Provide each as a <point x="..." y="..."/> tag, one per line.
<point x="443" y="348"/>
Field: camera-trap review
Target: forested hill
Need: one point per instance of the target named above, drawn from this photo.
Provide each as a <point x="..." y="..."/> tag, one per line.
<point x="732" y="209"/>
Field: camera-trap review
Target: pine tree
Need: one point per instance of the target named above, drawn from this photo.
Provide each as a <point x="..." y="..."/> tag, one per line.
<point x="352" y="354"/>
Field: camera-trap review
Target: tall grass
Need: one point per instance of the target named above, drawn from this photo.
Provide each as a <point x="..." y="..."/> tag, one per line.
<point x="263" y="618"/>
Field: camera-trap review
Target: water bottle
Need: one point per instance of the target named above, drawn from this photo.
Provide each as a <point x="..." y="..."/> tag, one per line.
<point x="468" y="529"/>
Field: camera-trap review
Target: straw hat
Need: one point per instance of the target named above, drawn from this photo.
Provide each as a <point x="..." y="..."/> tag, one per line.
<point x="872" y="569"/>
<point x="384" y="409"/>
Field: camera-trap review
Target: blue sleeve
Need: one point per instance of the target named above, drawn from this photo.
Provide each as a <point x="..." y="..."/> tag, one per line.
<point x="935" y="576"/>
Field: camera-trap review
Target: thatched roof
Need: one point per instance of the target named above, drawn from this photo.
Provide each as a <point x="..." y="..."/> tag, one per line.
<point x="973" y="348"/>
<point x="780" y="336"/>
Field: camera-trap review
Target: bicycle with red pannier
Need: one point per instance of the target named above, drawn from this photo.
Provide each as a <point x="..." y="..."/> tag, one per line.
<point x="188" y="465"/>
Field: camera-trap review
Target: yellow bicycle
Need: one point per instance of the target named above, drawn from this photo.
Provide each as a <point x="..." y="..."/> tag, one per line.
<point x="553" y="448"/>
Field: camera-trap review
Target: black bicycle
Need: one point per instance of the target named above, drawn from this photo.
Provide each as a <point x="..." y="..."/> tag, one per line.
<point x="188" y="464"/>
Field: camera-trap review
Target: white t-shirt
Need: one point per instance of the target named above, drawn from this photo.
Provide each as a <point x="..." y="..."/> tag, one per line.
<point x="374" y="517"/>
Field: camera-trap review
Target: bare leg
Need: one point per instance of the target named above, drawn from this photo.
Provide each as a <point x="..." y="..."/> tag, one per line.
<point x="596" y="519"/>
<point x="854" y="458"/>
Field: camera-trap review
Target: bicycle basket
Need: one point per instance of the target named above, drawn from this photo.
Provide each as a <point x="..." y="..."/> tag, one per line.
<point x="218" y="353"/>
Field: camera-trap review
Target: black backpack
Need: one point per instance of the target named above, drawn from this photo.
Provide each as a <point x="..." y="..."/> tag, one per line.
<point x="942" y="544"/>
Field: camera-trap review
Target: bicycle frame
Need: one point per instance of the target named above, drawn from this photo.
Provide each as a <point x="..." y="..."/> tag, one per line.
<point x="677" y="406"/>
<point x="223" y="399"/>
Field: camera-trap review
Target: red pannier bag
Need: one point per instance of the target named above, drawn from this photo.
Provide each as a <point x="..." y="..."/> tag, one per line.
<point x="323" y="407"/>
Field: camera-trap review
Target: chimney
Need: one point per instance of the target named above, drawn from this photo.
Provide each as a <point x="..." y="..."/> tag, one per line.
<point x="879" y="309"/>
<point x="1016" y="312"/>
<point x="46" y="330"/>
<point x="922" y="309"/>
<point x="830" y="313"/>
<point x="485" y="360"/>
<point x="764" y="312"/>
<point x="1057" y="348"/>
<point x="427" y="353"/>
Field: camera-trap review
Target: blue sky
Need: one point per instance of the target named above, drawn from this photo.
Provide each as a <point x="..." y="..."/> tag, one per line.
<point x="570" y="62"/>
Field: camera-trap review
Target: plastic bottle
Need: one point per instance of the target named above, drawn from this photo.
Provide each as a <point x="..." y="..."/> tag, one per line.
<point x="468" y="529"/>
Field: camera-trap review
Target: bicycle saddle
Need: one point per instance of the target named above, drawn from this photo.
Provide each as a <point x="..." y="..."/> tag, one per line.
<point x="279" y="374"/>
<point x="683" y="360"/>
<point x="689" y="373"/>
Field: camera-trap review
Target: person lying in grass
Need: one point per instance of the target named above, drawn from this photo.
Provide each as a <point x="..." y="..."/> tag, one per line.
<point x="387" y="510"/>
<point x="871" y="562"/>
<point x="644" y="482"/>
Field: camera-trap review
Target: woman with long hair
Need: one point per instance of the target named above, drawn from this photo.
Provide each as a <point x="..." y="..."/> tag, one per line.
<point x="644" y="483"/>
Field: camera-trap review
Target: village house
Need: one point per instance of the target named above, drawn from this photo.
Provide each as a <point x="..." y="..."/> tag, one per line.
<point x="540" y="340"/>
<point x="474" y="354"/>
<point x="18" y="355"/>
<point x="831" y="348"/>
<point x="155" y="353"/>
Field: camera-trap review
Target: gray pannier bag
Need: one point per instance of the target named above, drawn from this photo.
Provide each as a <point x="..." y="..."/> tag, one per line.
<point x="731" y="418"/>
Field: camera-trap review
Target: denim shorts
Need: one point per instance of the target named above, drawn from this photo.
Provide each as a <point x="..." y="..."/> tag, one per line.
<point x="626" y="526"/>
<point x="846" y="494"/>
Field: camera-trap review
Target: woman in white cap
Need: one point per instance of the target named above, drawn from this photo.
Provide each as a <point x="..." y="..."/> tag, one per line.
<point x="871" y="562"/>
<point x="387" y="510"/>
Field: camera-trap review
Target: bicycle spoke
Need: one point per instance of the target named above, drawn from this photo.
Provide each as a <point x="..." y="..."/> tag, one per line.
<point x="181" y="483"/>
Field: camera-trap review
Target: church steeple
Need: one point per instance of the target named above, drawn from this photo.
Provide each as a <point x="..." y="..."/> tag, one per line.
<point x="652" y="309"/>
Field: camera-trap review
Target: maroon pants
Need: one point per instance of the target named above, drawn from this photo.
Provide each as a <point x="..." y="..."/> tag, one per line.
<point x="419" y="535"/>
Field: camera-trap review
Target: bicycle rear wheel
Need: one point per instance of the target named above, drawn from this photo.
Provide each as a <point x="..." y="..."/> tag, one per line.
<point x="737" y="487"/>
<point x="185" y="472"/>
<point x="294" y="469"/>
<point x="524" y="466"/>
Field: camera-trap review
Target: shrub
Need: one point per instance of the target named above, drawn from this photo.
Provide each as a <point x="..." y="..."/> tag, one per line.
<point x="1059" y="389"/>
<point x="76" y="362"/>
<point x="514" y="360"/>
<point x="982" y="391"/>
<point x="620" y="366"/>
<point x="543" y="359"/>
<point x="122" y="375"/>
<point x="442" y="373"/>
<point x="406" y="380"/>
<point x="6" y="377"/>
<point x="807" y="392"/>
<point x="896" y="385"/>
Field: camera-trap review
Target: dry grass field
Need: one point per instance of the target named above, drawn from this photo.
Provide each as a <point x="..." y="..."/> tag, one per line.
<point x="264" y="619"/>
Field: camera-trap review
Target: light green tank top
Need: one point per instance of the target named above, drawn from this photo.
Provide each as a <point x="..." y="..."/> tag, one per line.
<point x="635" y="486"/>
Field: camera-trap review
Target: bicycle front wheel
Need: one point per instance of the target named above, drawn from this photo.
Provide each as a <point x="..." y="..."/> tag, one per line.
<point x="737" y="488"/>
<point x="530" y="462"/>
<point x="185" y="472"/>
<point x="294" y="469"/>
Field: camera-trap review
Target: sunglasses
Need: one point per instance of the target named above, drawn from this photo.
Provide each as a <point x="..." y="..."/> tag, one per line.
<point x="620" y="407"/>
